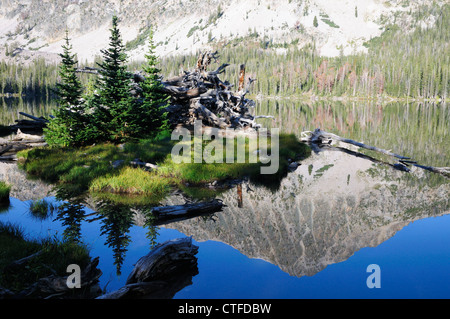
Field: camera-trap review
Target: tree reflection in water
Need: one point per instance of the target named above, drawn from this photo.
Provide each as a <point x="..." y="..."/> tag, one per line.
<point x="71" y="212"/>
<point x="116" y="220"/>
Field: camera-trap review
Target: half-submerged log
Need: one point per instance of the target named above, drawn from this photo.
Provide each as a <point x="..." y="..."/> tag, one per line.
<point x="321" y="137"/>
<point x="169" y="214"/>
<point x="165" y="270"/>
<point x="322" y="140"/>
<point x="444" y="171"/>
<point x="37" y="119"/>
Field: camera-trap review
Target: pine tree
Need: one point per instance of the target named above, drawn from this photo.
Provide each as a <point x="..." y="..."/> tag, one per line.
<point x="154" y="100"/>
<point x="315" y="23"/>
<point x="66" y="128"/>
<point x="69" y="90"/>
<point x="113" y="103"/>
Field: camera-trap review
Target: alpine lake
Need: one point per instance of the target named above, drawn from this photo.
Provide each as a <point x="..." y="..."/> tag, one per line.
<point x="317" y="234"/>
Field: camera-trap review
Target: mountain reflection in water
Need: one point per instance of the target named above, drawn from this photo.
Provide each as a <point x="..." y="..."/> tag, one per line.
<point x="332" y="206"/>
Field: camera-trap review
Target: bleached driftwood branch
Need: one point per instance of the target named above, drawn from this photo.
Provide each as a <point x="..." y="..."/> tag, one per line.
<point x="321" y="137"/>
<point x="324" y="139"/>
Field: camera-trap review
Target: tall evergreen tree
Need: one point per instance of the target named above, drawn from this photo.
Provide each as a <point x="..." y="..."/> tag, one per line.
<point x="154" y="100"/>
<point x="66" y="128"/>
<point x="113" y="103"/>
<point x="69" y="90"/>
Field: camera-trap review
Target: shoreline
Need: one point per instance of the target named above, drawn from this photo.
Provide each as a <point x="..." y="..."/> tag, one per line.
<point x="311" y="98"/>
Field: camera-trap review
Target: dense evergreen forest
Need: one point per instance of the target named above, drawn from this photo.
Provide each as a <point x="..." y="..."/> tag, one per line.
<point x="36" y="79"/>
<point x="398" y="64"/>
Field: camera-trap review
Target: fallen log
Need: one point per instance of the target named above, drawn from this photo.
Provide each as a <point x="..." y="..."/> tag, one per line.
<point x="8" y="158"/>
<point x="5" y="149"/>
<point x="30" y="137"/>
<point x="169" y="214"/>
<point x="35" y="124"/>
<point x="165" y="270"/>
<point x="164" y="260"/>
<point x="23" y="142"/>
<point x="38" y="119"/>
<point x="397" y="166"/>
<point x="444" y="171"/>
<point x="322" y="140"/>
<point x="321" y="137"/>
<point x="54" y="286"/>
<point x="9" y="148"/>
<point x="21" y="263"/>
<point x="138" y="163"/>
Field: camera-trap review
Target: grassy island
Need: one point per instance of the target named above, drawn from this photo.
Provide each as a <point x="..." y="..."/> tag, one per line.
<point x="108" y="168"/>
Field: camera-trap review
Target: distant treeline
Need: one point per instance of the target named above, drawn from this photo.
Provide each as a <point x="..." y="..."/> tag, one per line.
<point x="35" y="79"/>
<point x="398" y="64"/>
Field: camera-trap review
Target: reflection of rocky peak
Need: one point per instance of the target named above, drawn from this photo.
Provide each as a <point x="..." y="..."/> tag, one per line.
<point x="322" y="214"/>
<point x="21" y="187"/>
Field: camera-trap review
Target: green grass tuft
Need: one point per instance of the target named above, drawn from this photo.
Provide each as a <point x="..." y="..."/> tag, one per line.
<point x="4" y="192"/>
<point x="41" y="209"/>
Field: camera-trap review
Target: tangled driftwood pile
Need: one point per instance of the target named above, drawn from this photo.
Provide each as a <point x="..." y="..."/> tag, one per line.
<point x="201" y="95"/>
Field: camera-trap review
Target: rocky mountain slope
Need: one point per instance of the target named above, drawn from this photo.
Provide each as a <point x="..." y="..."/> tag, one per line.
<point x="32" y="28"/>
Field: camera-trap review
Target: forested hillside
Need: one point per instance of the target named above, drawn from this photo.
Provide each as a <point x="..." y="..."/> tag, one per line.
<point x="402" y="62"/>
<point x="398" y="64"/>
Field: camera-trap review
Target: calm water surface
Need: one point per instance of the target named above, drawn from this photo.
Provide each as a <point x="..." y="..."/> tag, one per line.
<point x="315" y="234"/>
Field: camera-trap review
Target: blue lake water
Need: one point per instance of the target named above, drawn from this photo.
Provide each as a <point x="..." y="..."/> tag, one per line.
<point x="414" y="263"/>
<point x="315" y="235"/>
